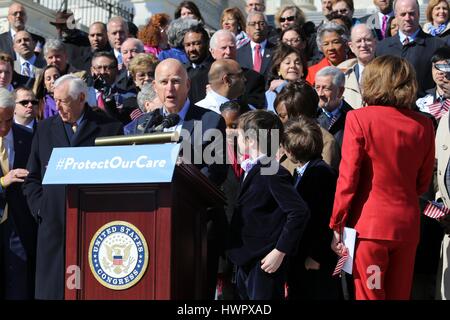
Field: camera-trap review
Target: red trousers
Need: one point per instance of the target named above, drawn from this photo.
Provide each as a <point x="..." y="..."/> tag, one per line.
<point x="383" y="270"/>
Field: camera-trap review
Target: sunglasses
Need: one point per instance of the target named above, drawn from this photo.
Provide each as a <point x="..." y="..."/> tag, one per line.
<point x="26" y="102"/>
<point x="290" y="19"/>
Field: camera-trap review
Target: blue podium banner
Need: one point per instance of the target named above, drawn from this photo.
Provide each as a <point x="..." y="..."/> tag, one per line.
<point x="109" y="165"/>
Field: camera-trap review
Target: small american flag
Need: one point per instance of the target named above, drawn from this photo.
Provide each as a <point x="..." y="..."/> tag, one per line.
<point x="340" y="264"/>
<point x="435" y="210"/>
<point x="438" y="109"/>
<point x="136" y="114"/>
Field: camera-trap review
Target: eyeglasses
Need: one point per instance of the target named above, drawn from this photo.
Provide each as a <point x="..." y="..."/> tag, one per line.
<point x="341" y="11"/>
<point x="259" y="23"/>
<point x="290" y="19"/>
<point x="26" y="102"/>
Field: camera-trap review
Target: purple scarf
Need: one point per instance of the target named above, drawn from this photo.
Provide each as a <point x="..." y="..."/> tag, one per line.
<point x="49" y="106"/>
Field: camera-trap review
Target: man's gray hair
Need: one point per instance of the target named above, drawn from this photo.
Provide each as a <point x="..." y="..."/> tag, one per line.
<point x="177" y="29"/>
<point x="147" y="93"/>
<point x="76" y="85"/>
<point x="118" y="20"/>
<point x="217" y="34"/>
<point x="338" y="77"/>
<point x="139" y="44"/>
<point x="253" y="13"/>
<point x="7" y="99"/>
<point x="54" y="44"/>
<point x="331" y="27"/>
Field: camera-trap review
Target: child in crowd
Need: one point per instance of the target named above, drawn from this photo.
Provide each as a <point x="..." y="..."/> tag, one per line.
<point x="270" y="215"/>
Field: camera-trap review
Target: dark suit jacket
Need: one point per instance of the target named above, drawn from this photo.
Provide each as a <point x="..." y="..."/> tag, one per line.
<point x="254" y="88"/>
<point x="317" y="187"/>
<point x="337" y="129"/>
<point x="245" y="58"/>
<point x="269" y="214"/>
<point x="47" y="203"/>
<point x="418" y="53"/>
<point x="6" y="42"/>
<point x="196" y="117"/>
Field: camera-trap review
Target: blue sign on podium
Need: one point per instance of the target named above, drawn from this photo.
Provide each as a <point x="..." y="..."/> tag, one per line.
<point x="149" y="163"/>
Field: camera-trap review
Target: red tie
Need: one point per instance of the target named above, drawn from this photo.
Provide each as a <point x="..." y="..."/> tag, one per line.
<point x="257" y="59"/>
<point x="100" y="102"/>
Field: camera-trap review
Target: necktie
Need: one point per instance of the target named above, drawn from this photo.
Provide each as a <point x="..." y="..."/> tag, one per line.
<point x="298" y="176"/>
<point x="4" y="162"/>
<point x="26" y="69"/>
<point x="119" y="61"/>
<point x="333" y="120"/>
<point x="257" y="58"/>
<point x="383" y="26"/>
<point x="406" y="41"/>
<point x="100" y="101"/>
<point x="74" y="127"/>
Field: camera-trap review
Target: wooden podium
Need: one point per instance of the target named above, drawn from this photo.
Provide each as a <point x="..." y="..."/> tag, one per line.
<point x="171" y="217"/>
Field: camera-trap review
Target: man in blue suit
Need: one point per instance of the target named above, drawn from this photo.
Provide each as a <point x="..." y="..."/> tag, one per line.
<point x="17" y="227"/>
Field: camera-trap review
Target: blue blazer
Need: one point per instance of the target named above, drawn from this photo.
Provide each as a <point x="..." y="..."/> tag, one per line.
<point x="269" y="214"/>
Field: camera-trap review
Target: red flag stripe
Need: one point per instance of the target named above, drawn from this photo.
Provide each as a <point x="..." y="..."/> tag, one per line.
<point x="435" y="211"/>
<point x="340" y="264"/>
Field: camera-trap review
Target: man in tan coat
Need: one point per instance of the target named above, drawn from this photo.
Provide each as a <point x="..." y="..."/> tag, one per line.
<point x="363" y="43"/>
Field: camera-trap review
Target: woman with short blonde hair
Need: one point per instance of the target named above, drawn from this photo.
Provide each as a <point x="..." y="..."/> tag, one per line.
<point x="437" y="14"/>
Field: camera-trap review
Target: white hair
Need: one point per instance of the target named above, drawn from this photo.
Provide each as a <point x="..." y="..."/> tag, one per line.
<point x="138" y="43"/>
<point x="147" y="93"/>
<point x="76" y="85"/>
<point x="6" y="99"/>
<point x="54" y="45"/>
<point x="338" y="77"/>
<point x="217" y="34"/>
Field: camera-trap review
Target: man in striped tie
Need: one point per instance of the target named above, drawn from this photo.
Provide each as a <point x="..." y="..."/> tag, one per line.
<point x="437" y="100"/>
<point x="330" y="86"/>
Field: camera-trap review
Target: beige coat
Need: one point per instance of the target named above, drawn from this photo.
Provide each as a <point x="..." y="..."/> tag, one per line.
<point x="352" y="93"/>
<point x="443" y="156"/>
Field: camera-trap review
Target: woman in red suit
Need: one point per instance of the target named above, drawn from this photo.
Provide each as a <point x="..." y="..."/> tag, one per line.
<point x="387" y="162"/>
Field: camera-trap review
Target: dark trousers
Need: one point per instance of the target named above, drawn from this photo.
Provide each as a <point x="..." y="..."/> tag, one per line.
<point x="255" y="284"/>
<point x="17" y="270"/>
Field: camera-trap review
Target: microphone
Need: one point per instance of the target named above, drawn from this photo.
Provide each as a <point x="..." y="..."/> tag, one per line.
<point x="168" y="122"/>
<point x="155" y="119"/>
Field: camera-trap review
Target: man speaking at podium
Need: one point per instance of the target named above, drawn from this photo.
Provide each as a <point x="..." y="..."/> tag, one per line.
<point x="172" y="87"/>
<point x="76" y="125"/>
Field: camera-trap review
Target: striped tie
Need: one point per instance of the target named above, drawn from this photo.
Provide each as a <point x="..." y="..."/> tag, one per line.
<point x="26" y="71"/>
<point x="439" y="109"/>
<point x="333" y="120"/>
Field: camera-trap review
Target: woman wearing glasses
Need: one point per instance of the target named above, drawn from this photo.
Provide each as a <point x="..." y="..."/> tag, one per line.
<point x="291" y="16"/>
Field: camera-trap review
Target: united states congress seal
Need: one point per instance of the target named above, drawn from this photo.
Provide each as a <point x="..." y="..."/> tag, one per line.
<point x="118" y="255"/>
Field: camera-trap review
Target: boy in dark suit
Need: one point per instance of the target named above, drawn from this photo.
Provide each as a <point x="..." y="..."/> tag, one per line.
<point x="310" y="270"/>
<point x="270" y="215"/>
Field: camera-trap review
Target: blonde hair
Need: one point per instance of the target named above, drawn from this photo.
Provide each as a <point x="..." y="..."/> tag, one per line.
<point x="142" y="61"/>
<point x="389" y="81"/>
<point x="430" y="7"/>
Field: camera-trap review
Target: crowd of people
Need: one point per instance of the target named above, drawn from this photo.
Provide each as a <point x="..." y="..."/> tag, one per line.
<point x="355" y="112"/>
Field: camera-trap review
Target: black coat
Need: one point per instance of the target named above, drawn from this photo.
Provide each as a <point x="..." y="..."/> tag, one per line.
<point x="245" y="58"/>
<point x="269" y="214"/>
<point x="47" y="203"/>
<point x="337" y="129"/>
<point x="19" y="218"/>
<point x="254" y="88"/>
<point x="418" y="53"/>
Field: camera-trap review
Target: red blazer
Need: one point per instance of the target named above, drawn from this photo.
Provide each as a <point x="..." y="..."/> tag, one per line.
<point x="387" y="162"/>
<point x="312" y="70"/>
